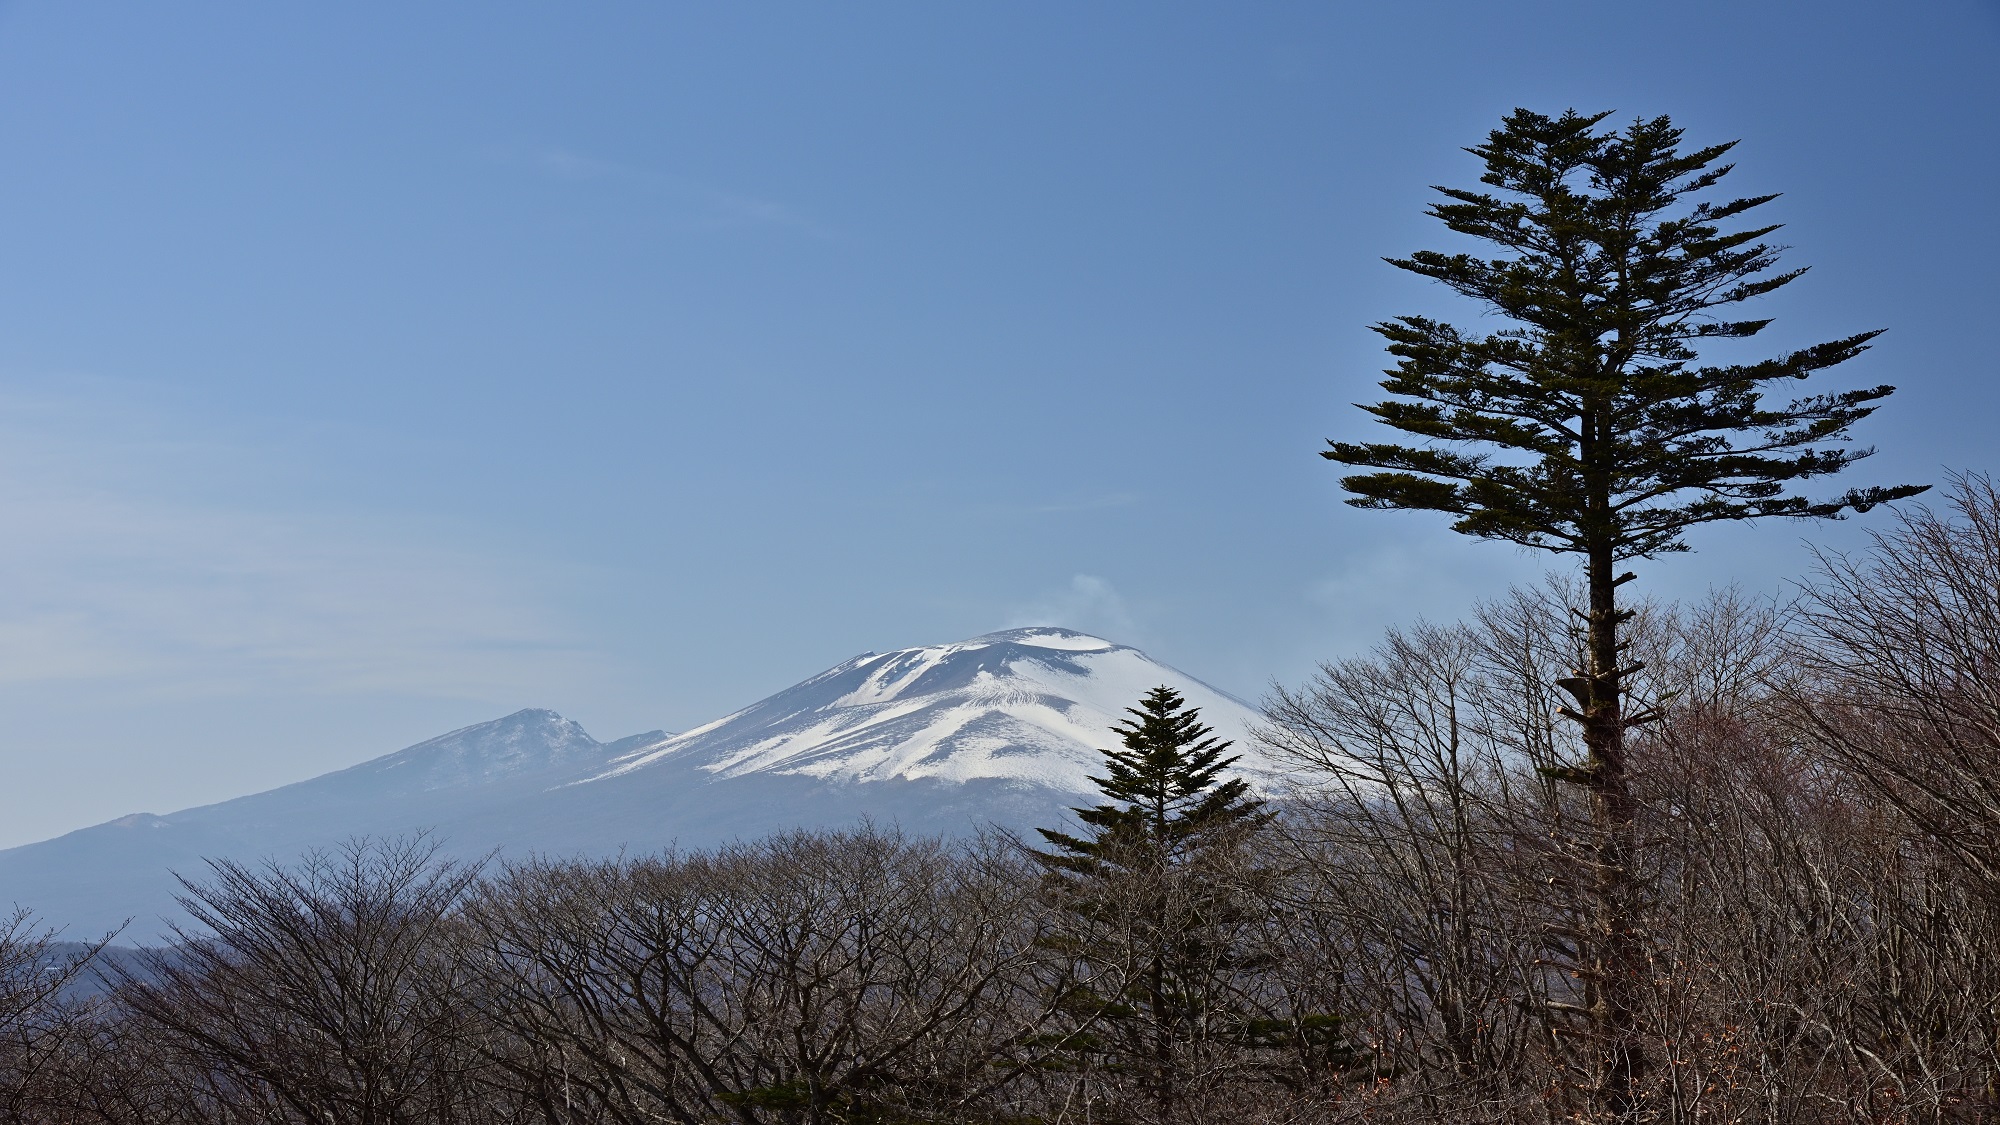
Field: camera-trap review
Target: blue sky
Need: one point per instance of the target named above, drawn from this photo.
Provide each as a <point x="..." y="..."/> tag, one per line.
<point x="368" y="370"/>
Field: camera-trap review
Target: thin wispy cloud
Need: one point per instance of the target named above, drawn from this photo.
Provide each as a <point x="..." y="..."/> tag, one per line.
<point x="111" y="576"/>
<point x="566" y="165"/>
<point x="691" y="203"/>
<point x="1089" y="604"/>
<point x="733" y="209"/>
<point x="1098" y="503"/>
<point x="1378" y="585"/>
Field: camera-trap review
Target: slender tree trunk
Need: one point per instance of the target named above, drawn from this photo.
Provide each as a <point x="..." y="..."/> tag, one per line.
<point x="1612" y="961"/>
<point x="1163" y="1047"/>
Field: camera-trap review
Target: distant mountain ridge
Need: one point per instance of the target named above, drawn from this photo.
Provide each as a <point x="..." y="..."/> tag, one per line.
<point x="999" y="729"/>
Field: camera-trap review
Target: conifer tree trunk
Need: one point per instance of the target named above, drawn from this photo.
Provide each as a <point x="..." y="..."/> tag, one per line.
<point x="1611" y="958"/>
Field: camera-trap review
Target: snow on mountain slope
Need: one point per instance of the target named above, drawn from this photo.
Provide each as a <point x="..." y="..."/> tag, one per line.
<point x="524" y="743"/>
<point x="1030" y="706"/>
<point x="531" y="749"/>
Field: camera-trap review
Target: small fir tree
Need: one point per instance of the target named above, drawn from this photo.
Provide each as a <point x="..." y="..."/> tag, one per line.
<point x="1163" y="893"/>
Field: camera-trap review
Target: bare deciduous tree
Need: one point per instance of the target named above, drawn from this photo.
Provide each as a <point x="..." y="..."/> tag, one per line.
<point x="1903" y="642"/>
<point x="324" y="992"/>
<point x="36" y="1024"/>
<point x="809" y="977"/>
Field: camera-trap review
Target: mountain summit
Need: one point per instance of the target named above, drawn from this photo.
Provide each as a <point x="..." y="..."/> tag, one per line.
<point x="999" y="729"/>
<point x="1030" y="706"/>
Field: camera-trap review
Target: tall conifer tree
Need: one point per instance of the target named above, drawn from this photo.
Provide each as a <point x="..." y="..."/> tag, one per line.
<point x="1589" y="425"/>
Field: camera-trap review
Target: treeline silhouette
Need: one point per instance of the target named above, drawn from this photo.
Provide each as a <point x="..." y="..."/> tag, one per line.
<point x="1392" y="941"/>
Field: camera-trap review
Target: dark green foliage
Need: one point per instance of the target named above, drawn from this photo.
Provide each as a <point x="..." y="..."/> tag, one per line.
<point x="1590" y="419"/>
<point x="1172" y="792"/>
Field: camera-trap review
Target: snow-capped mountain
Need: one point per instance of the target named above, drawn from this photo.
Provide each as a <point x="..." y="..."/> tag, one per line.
<point x="1000" y="729"/>
<point x="1029" y="706"/>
